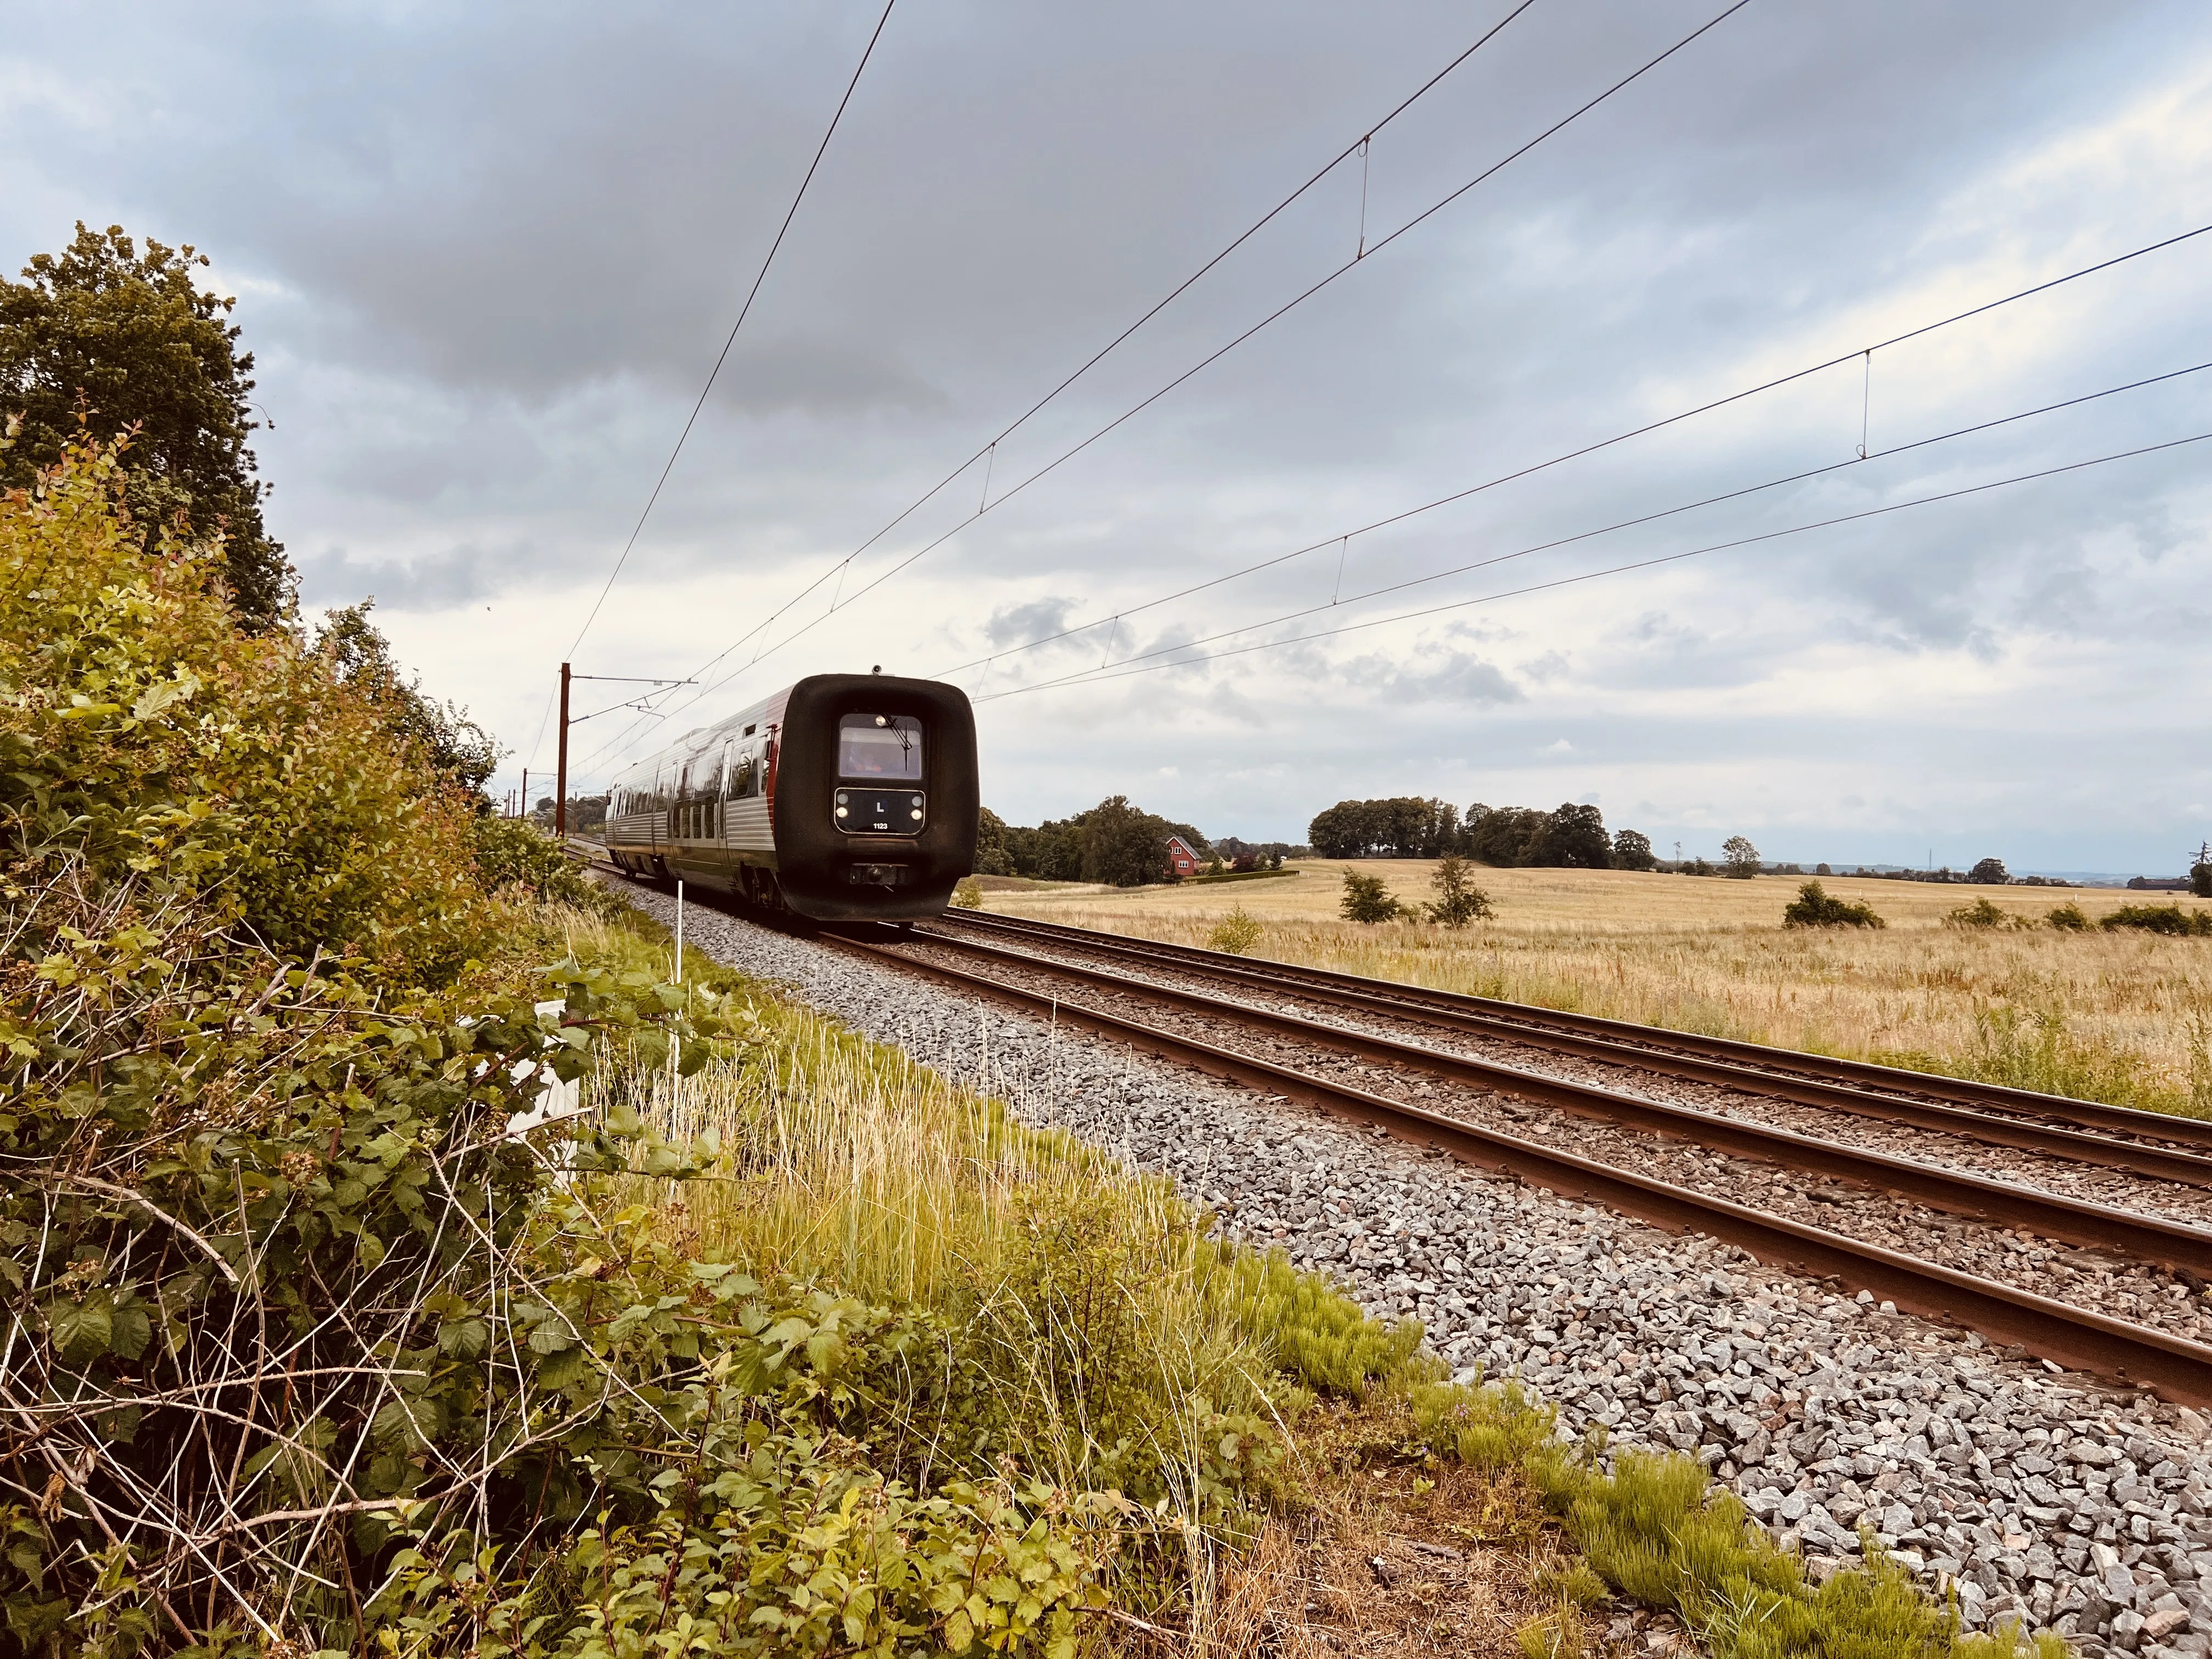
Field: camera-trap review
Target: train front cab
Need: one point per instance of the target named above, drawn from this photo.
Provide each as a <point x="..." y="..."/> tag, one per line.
<point x="875" y="796"/>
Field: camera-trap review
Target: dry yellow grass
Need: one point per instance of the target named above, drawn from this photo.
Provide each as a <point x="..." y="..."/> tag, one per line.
<point x="2120" y="1015"/>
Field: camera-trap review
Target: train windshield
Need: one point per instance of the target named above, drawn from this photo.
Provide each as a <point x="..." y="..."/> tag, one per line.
<point x="887" y="746"/>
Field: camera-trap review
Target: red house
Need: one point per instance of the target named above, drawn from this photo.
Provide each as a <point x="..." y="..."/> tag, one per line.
<point x="1183" y="861"/>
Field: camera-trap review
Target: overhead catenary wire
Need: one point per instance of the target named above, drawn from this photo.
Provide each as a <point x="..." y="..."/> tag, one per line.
<point x="1127" y="414"/>
<point x="1643" y="430"/>
<point x="722" y="357"/>
<point x="1128" y="670"/>
<point x="1357" y="146"/>
<point x="1916" y="332"/>
<point x="1582" y="451"/>
<point x="1637" y="521"/>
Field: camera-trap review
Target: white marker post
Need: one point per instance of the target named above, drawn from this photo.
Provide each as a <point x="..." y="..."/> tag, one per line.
<point x="675" y="1043"/>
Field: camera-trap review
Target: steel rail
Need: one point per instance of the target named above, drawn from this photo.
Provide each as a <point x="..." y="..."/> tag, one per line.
<point x="2075" y="1338"/>
<point x="2169" y="1243"/>
<point x="2104" y="1152"/>
<point x="2088" y="1113"/>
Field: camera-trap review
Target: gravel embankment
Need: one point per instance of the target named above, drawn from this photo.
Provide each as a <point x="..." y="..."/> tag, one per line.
<point x="2108" y="1284"/>
<point x="2046" y="1496"/>
<point x="2095" y="1183"/>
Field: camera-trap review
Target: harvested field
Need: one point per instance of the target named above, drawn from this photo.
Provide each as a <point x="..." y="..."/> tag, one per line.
<point x="2118" y="1016"/>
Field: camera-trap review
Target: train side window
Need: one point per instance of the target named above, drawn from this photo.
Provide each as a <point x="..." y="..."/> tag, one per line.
<point x="886" y="746"/>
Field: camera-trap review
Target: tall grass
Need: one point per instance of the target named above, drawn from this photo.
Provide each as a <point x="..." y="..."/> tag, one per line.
<point x="1100" y="1335"/>
<point x="1115" y="1343"/>
<point x="2102" y="1015"/>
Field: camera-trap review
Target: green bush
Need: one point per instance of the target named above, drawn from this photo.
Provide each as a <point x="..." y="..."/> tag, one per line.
<point x="968" y="894"/>
<point x="2168" y="919"/>
<point x="1235" y="933"/>
<point x="2068" y="919"/>
<point x="1813" y="907"/>
<point x="143" y="738"/>
<point x="514" y="853"/>
<point x="1366" y="899"/>
<point x="1980" y="914"/>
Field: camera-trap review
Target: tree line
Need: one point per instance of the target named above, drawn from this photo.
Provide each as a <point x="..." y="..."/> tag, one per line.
<point x="1570" y="836"/>
<point x="1113" y="842"/>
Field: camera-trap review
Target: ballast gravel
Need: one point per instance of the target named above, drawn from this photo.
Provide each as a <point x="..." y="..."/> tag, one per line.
<point x="2032" y="1494"/>
<point x="2110" y="1284"/>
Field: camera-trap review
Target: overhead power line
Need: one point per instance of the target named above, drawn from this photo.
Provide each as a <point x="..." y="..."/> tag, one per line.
<point x="1123" y="613"/>
<point x="1128" y="670"/>
<point x="1283" y="310"/>
<point x="987" y="451"/>
<point x="1333" y="540"/>
<point x="722" y="357"/>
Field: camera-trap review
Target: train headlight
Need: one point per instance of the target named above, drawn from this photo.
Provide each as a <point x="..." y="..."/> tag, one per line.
<point x="915" y="814"/>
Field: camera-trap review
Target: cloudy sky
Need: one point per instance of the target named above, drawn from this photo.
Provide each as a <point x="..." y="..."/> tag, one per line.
<point x="487" y="255"/>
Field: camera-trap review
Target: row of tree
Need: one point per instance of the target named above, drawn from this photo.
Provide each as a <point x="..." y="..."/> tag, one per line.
<point x="1114" y="843"/>
<point x="1570" y="836"/>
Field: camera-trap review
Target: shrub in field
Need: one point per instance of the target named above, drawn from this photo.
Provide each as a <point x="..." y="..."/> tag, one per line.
<point x="1366" y="899"/>
<point x="967" y="895"/>
<point x="1983" y="914"/>
<point x="2068" y="919"/>
<point x="1235" y="933"/>
<point x="2169" y="919"/>
<point x="1458" y="901"/>
<point x="1815" y="907"/>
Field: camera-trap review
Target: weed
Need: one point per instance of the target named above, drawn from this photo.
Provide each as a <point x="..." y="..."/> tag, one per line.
<point x="1235" y="933"/>
<point x="1561" y="1633"/>
<point x="967" y="895"/>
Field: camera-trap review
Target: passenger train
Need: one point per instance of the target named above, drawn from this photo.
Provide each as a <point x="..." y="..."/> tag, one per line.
<point x="845" y="797"/>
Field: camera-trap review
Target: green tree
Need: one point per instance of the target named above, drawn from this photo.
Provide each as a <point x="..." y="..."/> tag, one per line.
<point x="442" y="734"/>
<point x="1122" y="845"/>
<point x="1458" y="901"/>
<point x="991" y="856"/>
<point x="1366" y="899"/>
<point x="1742" y="857"/>
<point x="1632" y="850"/>
<point x="1989" y="873"/>
<point x="2200" y="872"/>
<point x="1574" y="838"/>
<point x="117" y="340"/>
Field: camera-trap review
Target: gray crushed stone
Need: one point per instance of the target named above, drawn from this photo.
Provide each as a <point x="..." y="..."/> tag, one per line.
<point x="2031" y="1494"/>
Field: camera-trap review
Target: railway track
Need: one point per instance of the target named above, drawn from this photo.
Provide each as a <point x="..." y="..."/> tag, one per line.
<point x="1274" y="1059"/>
<point x="1012" y="962"/>
<point x="2115" y="1137"/>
